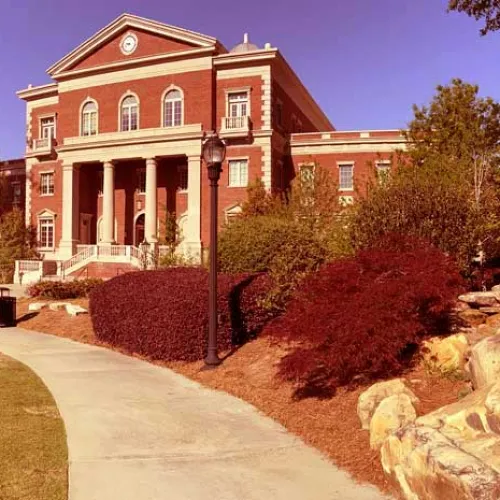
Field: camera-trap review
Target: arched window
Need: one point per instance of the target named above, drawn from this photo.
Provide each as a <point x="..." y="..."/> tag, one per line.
<point x="129" y="114"/>
<point x="173" y="109"/>
<point x="89" y="118"/>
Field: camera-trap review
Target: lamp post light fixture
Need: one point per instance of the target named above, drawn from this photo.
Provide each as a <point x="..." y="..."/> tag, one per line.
<point x="214" y="153"/>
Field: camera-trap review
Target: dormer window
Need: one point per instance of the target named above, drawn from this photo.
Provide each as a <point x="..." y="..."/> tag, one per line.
<point x="89" y="119"/>
<point x="129" y="114"/>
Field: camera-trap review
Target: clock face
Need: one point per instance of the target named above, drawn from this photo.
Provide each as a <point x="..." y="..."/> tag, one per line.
<point x="128" y="44"/>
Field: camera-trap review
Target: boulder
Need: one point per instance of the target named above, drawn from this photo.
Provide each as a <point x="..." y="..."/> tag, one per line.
<point x="75" y="310"/>
<point x="472" y="317"/>
<point x="373" y="396"/>
<point x="487" y="310"/>
<point x="36" y="306"/>
<point x="446" y="354"/>
<point x="484" y="362"/>
<point x="481" y="299"/>
<point x="494" y="321"/>
<point x="56" y="306"/>
<point x="391" y="414"/>
<point x="450" y="453"/>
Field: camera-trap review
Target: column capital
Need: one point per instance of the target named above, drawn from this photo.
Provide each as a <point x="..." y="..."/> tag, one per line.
<point x="194" y="157"/>
<point x="151" y="160"/>
<point x="108" y="163"/>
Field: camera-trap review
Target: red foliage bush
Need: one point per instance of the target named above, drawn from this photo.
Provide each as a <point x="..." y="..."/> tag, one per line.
<point x="361" y="318"/>
<point x="164" y="314"/>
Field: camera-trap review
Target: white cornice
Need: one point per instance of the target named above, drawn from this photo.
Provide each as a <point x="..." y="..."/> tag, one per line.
<point x="239" y="57"/>
<point x="47" y="90"/>
<point x="127" y="21"/>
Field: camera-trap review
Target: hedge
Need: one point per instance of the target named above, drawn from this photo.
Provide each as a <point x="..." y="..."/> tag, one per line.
<point x="60" y="290"/>
<point x="164" y="314"/>
<point x="362" y="318"/>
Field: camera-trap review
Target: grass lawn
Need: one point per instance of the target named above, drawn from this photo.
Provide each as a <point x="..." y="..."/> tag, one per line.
<point x="33" y="451"/>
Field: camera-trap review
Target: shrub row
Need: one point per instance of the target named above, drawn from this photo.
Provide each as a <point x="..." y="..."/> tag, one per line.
<point x="361" y="318"/>
<point x="60" y="290"/>
<point x="164" y="314"/>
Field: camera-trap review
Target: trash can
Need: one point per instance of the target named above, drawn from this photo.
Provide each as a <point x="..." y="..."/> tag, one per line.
<point x="7" y="308"/>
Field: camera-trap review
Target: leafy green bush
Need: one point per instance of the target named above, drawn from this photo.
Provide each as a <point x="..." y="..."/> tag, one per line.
<point x="60" y="290"/>
<point x="286" y="249"/>
<point x="17" y="242"/>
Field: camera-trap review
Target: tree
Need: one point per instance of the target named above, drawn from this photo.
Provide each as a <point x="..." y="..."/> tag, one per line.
<point x="489" y="10"/>
<point x="446" y="187"/>
<point x="17" y="241"/>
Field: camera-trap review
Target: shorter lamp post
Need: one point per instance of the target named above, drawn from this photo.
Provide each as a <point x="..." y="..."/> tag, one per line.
<point x="214" y="152"/>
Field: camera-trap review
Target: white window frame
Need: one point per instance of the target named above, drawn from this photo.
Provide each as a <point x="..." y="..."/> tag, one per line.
<point x="240" y="184"/>
<point x="346" y="164"/>
<point x="129" y="107"/>
<point x="141" y="176"/>
<point x="240" y="90"/>
<point x="41" y="220"/>
<point x="45" y="174"/>
<point x="81" y="114"/>
<point x="183" y="175"/>
<point x="383" y="166"/>
<point x="163" y="107"/>
<point x="41" y="128"/>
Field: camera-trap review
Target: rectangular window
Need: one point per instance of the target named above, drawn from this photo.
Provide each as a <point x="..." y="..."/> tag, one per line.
<point x="238" y="173"/>
<point x="47" y="183"/>
<point x="129" y="118"/>
<point x="141" y="180"/>
<point x="346" y="175"/>
<point x="48" y="128"/>
<point x="382" y="169"/>
<point x="46" y="233"/>
<point x="16" y="192"/>
<point x="238" y="104"/>
<point x="173" y="113"/>
<point x="183" y="178"/>
<point x="89" y="124"/>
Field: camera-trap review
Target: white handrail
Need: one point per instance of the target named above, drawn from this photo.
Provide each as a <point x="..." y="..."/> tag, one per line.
<point x="85" y="254"/>
<point x="235" y="122"/>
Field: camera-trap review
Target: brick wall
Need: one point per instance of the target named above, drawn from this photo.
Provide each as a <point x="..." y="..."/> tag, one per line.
<point x="148" y="44"/>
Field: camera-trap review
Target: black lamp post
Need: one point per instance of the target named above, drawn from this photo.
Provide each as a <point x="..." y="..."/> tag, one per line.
<point x="214" y="152"/>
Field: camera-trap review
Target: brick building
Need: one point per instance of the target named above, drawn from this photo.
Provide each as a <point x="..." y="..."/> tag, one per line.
<point x="12" y="184"/>
<point x="115" y="141"/>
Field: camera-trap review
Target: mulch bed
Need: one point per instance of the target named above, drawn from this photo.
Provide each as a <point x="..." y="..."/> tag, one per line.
<point x="330" y="425"/>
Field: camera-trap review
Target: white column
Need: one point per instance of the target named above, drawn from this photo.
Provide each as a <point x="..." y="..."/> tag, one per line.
<point x="151" y="215"/>
<point x="70" y="211"/>
<point x="192" y="228"/>
<point x="108" y="204"/>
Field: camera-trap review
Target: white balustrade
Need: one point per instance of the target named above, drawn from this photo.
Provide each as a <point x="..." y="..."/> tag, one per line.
<point x="28" y="266"/>
<point x="235" y="122"/>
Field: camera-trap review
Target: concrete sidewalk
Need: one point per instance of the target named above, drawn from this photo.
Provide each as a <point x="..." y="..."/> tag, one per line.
<point x="137" y="431"/>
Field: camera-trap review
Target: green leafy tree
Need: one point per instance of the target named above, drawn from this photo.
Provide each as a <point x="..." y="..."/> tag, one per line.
<point x="287" y="236"/>
<point x="489" y="10"/>
<point x="16" y="242"/>
<point x="172" y="239"/>
<point x="445" y="188"/>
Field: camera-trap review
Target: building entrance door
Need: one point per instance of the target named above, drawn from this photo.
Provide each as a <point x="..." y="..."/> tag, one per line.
<point x="85" y="220"/>
<point x="139" y="230"/>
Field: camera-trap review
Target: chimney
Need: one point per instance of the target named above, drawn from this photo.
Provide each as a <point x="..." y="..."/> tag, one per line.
<point x="245" y="38"/>
<point x="267" y="46"/>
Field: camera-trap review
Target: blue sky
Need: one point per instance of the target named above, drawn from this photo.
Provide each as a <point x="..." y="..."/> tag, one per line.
<point x="365" y="61"/>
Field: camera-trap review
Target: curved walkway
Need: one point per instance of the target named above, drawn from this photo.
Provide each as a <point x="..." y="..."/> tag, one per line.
<point x="138" y="431"/>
